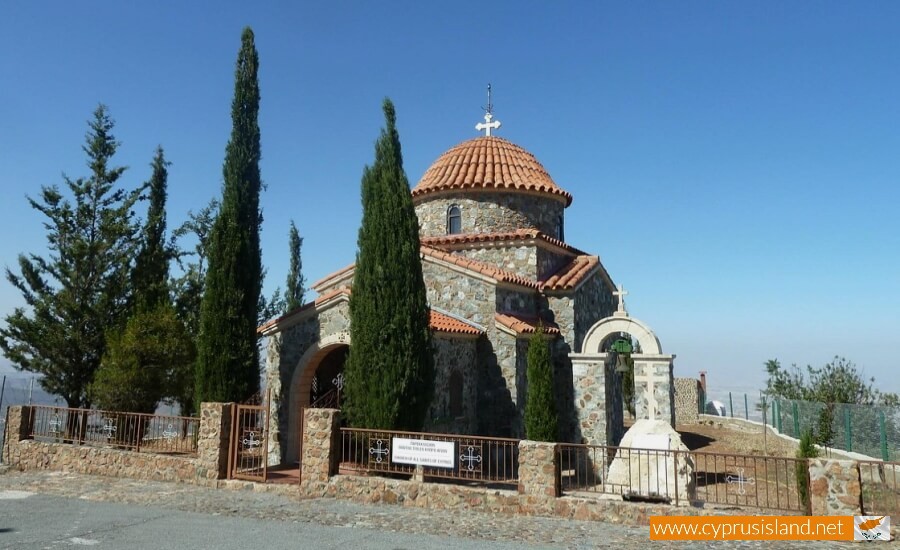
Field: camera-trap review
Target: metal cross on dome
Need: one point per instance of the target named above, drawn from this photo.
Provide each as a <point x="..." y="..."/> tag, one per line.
<point x="487" y="125"/>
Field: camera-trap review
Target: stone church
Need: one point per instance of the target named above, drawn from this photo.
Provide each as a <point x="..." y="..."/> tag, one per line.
<point x="495" y="263"/>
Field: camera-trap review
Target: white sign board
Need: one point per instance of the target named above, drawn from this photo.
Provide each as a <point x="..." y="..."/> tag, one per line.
<point x="423" y="452"/>
<point x="656" y="442"/>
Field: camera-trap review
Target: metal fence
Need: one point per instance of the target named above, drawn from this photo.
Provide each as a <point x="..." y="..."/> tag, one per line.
<point x="872" y="430"/>
<point x="880" y="484"/>
<point x="482" y="460"/>
<point x="144" y="433"/>
<point x="675" y="476"/>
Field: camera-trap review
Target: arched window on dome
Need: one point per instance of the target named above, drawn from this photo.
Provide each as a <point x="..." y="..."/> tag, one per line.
<point x="454" y="220"/>
<point x="456" y="394"/>
<point x="560" y="231"/>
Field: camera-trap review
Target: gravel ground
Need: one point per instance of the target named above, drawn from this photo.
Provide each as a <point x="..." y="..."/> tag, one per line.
<point x="475" y="526"/>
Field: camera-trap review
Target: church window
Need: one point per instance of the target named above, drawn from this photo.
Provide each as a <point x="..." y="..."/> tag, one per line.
<point x="456" y="394"/>
<point x="560" y="234"/>
<point x="454" y="220"/>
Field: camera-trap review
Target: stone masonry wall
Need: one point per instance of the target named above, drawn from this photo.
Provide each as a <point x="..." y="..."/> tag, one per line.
<point x="476" y="301"/>
<point x="530" y="261"/>
<point x="834" y="487"/>
<point x="539" y="469"/>
<point x="537" y="492"/>
<point x="27" y="454"/>
<point x="284" y="351"/>
<point x="686" y="401"/>
<point x="321" y="447"/>
<point x="460" y="355"/>
<point x="489" y="212"/>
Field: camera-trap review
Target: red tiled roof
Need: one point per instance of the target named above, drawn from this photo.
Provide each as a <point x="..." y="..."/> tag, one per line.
<point x="332" y="276"/>
<point x="309" y="305"/>
<point x="571" y="274"/>
<point x="499" y="275"/>
<point x="522" y="324"/>
<point x="444" y="323"/>
<point x="488" y="162"/>
<point x="519" y="234"/>
<point x="437" y="321"/>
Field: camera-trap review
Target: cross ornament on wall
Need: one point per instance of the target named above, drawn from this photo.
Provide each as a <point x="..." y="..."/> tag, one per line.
<point x="620" y="293"/>
<point x="650" y="380"/>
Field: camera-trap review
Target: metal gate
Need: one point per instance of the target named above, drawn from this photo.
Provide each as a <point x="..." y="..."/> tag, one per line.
<point x="249" y="447"/>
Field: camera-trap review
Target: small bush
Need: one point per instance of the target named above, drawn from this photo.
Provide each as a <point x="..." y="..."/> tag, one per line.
<point x="806" y="451"/>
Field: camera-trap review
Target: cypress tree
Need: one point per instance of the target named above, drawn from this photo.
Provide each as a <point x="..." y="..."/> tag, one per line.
<point x="150" y="277"/>
<point x="390" y="370"/>
<point x="541" y="421"/>
<point x="228" y="357"/>
<point x="293" y="295"/>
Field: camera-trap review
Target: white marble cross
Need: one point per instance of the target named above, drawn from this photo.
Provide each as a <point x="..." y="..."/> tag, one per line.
<point x="650" y="380"/>
<point x="621" y="293"/>
<point x="487" y="125"/>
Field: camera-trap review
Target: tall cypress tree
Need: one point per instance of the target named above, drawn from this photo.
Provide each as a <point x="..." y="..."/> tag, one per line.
<point x="390" y="370"/>
<point x="293" y="294"/>
<point x="541" y="420"/>
<point x="150" y="277"/>
<point x="228" y="357"/>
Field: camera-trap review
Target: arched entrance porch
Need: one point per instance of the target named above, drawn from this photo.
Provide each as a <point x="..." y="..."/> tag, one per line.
<point x="319" y="370"/>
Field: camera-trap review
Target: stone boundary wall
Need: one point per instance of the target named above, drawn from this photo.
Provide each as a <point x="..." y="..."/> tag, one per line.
<point x="686" y="399"/>
<point x="834" y="485"/>
<point x="209" y="464"/>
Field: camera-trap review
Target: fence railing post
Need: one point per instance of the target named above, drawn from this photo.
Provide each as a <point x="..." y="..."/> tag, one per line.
<point x="883" y="432"/>
<point x="730" y="405"/>
<point x="848" y="436"/>
<point x="777" y="412"/>
<point x="796" y="411"/>
<point x="746" y="408"/>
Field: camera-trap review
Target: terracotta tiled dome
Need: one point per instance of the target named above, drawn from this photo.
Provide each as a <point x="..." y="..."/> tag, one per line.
<point x="488" y="162"/>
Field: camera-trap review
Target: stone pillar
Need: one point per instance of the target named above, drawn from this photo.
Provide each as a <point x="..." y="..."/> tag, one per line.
<point x="834" y="487"/>
<point x="212" y="445"/>
<point x="18" y="428"/>
<point x="589" y="381"/>
<point x="538" y="469"/>
<point x="321" y="452"/>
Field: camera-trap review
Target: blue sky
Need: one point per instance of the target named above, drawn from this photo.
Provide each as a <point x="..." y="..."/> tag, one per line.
<point x="733" y="164"/>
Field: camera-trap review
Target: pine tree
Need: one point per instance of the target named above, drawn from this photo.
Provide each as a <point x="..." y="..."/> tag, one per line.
<point x="80" y="290"/>
<point x="228" y="357"/>
<point x="390" y="370"/>
<point x="541" y="420"/>
<point x="293" y="295"/>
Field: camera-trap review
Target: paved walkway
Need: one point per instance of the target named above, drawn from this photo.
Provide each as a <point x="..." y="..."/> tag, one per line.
<point x="476" y="527"/>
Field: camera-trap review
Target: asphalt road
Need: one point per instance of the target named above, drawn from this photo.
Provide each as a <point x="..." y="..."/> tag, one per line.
<point x="37" y="521"/>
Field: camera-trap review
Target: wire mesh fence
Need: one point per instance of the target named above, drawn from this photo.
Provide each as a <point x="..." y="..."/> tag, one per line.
<point x="871" y="430"/>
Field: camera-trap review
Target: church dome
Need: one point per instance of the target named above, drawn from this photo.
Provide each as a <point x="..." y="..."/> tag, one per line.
<point x="488" y="163"/>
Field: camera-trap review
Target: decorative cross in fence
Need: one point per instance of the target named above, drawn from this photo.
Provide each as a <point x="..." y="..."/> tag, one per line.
<point x="251" y="441"/>
<point x="170" y="433"/>
<point x="339" y="381"/>
<point x="109" y="429"/>
<point x="470" y="458"/>
<point x="55" y="424"/>
<point x="740" y="480"/>
<point x="379" y="451"/>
